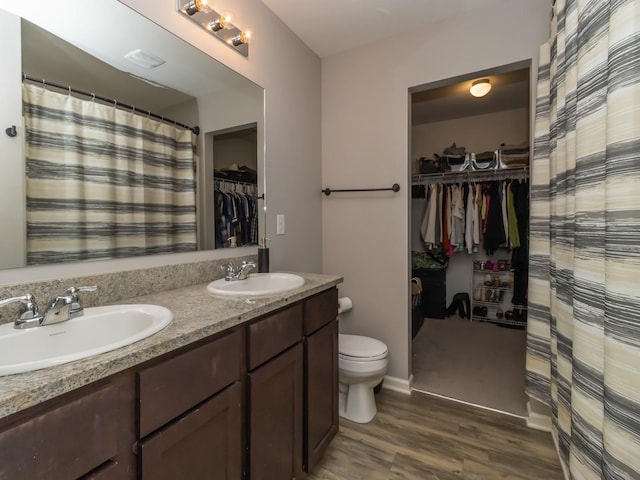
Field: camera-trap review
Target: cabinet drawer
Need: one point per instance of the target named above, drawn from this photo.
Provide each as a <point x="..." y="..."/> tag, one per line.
<point x="170" y="388"/>
<point x="273" y="334"/>
<point x="67" y="441"/>
<point x="320" y="310"/>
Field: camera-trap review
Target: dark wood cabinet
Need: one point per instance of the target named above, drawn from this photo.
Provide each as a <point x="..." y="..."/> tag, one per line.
<point x="190" y="413"/>
<point x="275" y="417"/>
<point x="83" y="434"/>
<point x="321" y="374"/>
<point x="204" y="443"/>
<point x="321" y="392"/>
<point x="256" y="401"/>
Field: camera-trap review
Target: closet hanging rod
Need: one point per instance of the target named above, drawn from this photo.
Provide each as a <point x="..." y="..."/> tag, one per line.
<point x="395" y="187"/>
<point x="115" y="103"/>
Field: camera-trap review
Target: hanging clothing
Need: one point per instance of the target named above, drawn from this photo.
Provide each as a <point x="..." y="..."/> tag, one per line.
<point x="472" y="230"/>
<point x="457" y="217"/>
<point x="235" y="218"/>
<point x="494" y="228"/>
<point x="505" y="220"/>
<point x="428" y="226"/>
<point x="512" y="220"/>
<point x="520" y="255"/>
<point x="446" y="237"/>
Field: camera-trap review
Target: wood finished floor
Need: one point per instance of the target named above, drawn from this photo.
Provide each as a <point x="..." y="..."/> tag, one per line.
<point x="427" y="438"/>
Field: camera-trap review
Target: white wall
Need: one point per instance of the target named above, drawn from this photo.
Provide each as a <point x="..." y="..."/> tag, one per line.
<point x="12" y="216"/>
<point x="365" y="143"/>
<point x="290" y="73"/>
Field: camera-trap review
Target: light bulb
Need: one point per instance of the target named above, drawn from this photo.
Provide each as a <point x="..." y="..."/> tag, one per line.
<point x="240" y="39"/>
<point x="218" y="24"/>
<point x="194" y="7"/>
<point x="480" y="88"/>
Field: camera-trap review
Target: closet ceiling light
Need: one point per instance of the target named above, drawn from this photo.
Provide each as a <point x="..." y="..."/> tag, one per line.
<point x="480" y="88"/>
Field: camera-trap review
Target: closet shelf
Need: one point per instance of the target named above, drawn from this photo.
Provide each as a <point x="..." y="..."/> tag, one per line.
<point x="471" y="176"/>
<point x="488" y="304"/>
<point x="516" y="323"/>
<point x="500" y="272"/>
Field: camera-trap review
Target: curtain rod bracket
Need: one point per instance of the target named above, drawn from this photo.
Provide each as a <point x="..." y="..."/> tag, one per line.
<point x="11" y="131"/>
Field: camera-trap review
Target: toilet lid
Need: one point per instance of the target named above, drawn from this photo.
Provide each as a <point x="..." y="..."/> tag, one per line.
<point x="356" y="346"/>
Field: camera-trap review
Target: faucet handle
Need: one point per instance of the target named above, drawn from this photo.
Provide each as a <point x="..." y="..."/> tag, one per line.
<point x="29" y="308"/>
<point x="76" y="308"/>
<point x="74" y="290"/>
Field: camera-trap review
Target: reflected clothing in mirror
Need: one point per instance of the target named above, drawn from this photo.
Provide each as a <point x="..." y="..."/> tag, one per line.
<point x="236" y="217"/>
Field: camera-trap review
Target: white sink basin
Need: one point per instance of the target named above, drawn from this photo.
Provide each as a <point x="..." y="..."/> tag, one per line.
<point x="257" y="284"/>
<point x="99" y="330"/>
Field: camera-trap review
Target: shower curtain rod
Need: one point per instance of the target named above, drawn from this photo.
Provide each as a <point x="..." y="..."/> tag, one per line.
<point x="115" y="103"/>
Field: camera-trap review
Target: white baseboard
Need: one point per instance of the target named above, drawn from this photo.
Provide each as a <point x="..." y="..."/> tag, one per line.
<point x="538" y="421"/>
<point x="398" y="384"/>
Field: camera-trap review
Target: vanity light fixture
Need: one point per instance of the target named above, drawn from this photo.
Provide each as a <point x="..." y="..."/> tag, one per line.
<point x="218" y="25"/>
<point x="480" y="88"/>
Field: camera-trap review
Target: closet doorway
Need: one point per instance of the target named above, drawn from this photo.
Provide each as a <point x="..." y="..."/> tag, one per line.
<point x="469" y="238"/>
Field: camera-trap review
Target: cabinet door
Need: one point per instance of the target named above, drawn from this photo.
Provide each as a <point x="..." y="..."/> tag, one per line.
<point x="275" y="418"/>
<point x="73" y="435"/>
<point x="205" y="443"/>
<point x="321" y="392"/>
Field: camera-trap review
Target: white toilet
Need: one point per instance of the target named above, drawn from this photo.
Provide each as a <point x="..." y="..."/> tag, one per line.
<point x="362" y="364"/>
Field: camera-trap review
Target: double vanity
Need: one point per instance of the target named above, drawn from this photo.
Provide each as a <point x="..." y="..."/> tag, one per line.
<point x="236" y="386"/>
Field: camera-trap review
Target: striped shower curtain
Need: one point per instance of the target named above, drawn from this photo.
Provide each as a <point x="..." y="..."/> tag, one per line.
<point x="583" y="335"/>
<point x="104" y="183"/>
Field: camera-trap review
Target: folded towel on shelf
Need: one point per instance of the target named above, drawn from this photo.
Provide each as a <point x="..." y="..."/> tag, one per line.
<point x="454" y="150"/>
<point x="522" y="146"/>
<point x="484" y="156"/>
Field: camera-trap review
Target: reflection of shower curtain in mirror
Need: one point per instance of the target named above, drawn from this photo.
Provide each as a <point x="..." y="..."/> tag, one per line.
<point x="104" y="183"/>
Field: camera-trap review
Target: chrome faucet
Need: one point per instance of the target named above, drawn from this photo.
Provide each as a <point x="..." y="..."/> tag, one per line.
<point x="245" y="268"/>
<point x="29" y="314"/>
<point x="238" y="272"/>
<point x="57" y="311"/>
<point x="60" y="309"/>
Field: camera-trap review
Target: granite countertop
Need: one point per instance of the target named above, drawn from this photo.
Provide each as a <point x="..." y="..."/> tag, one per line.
<point x="196" y="314"/>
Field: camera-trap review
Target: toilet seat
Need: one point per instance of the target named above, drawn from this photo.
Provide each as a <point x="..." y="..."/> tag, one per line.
<point x="359" y="348"/>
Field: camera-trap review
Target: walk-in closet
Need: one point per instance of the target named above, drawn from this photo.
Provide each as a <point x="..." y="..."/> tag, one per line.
<point x="469" y="238"/>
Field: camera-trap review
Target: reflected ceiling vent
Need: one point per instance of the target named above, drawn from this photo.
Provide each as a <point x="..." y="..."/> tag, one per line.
<point x="144" y="59"/>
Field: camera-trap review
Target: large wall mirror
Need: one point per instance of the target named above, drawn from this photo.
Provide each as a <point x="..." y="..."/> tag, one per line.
<point x="124" y="176"/>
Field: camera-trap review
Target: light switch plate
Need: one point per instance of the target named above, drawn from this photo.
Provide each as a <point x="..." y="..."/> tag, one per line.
<point x="280" y="224"/>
